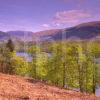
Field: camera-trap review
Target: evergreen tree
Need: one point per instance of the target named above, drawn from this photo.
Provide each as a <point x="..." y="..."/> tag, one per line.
<point x="10" y="45"/>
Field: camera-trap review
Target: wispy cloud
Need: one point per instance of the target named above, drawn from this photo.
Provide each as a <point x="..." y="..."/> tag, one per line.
<point x="46" y="25"/>
<point x="67" y="18"/>
<point x="71" y="16"/>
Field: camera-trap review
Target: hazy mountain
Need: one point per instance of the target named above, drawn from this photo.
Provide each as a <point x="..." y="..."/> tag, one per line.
<point x="21" y="35"/>
<point x="3" y="36"/>
<point x="88" y="30"/>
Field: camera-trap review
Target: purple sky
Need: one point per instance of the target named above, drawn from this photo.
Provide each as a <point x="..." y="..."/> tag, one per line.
<point x="36" y="15"/>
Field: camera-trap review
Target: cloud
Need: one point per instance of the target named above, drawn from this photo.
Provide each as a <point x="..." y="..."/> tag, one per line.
<point x="70" y="17"/>
<point x="46" y="25"/>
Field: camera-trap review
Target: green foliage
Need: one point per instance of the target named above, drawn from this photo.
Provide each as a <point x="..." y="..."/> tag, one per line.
<point x="95" y="48"/>
<point x="41" y="60"/>
<point x="20" y="65"/>
<point x="5" y="60"/>
<point x="71" y="64"/>
<point x="38" y="66"/>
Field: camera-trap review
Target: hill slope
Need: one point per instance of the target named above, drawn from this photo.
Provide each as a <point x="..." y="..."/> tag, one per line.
<point x="19" y="88"/>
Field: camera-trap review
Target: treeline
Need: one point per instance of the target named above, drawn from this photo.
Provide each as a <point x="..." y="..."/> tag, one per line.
<point x="67" y="64"/>
<point x="6" y="57"/>
<point x="10" y="63"/>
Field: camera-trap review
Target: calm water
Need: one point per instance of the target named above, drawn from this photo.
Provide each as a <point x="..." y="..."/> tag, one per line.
<point x="27" y="56"/>
<point x="98" y="91"/>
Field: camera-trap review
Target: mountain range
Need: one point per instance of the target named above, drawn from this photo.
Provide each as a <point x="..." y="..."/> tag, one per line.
<point x="89" y="30"/>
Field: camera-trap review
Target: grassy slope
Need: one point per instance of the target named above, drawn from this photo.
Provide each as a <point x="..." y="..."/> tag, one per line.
<point x="19" y="88"/>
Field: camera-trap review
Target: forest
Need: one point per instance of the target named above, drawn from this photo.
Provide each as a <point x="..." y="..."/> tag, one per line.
<point x="67" y="64"/>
